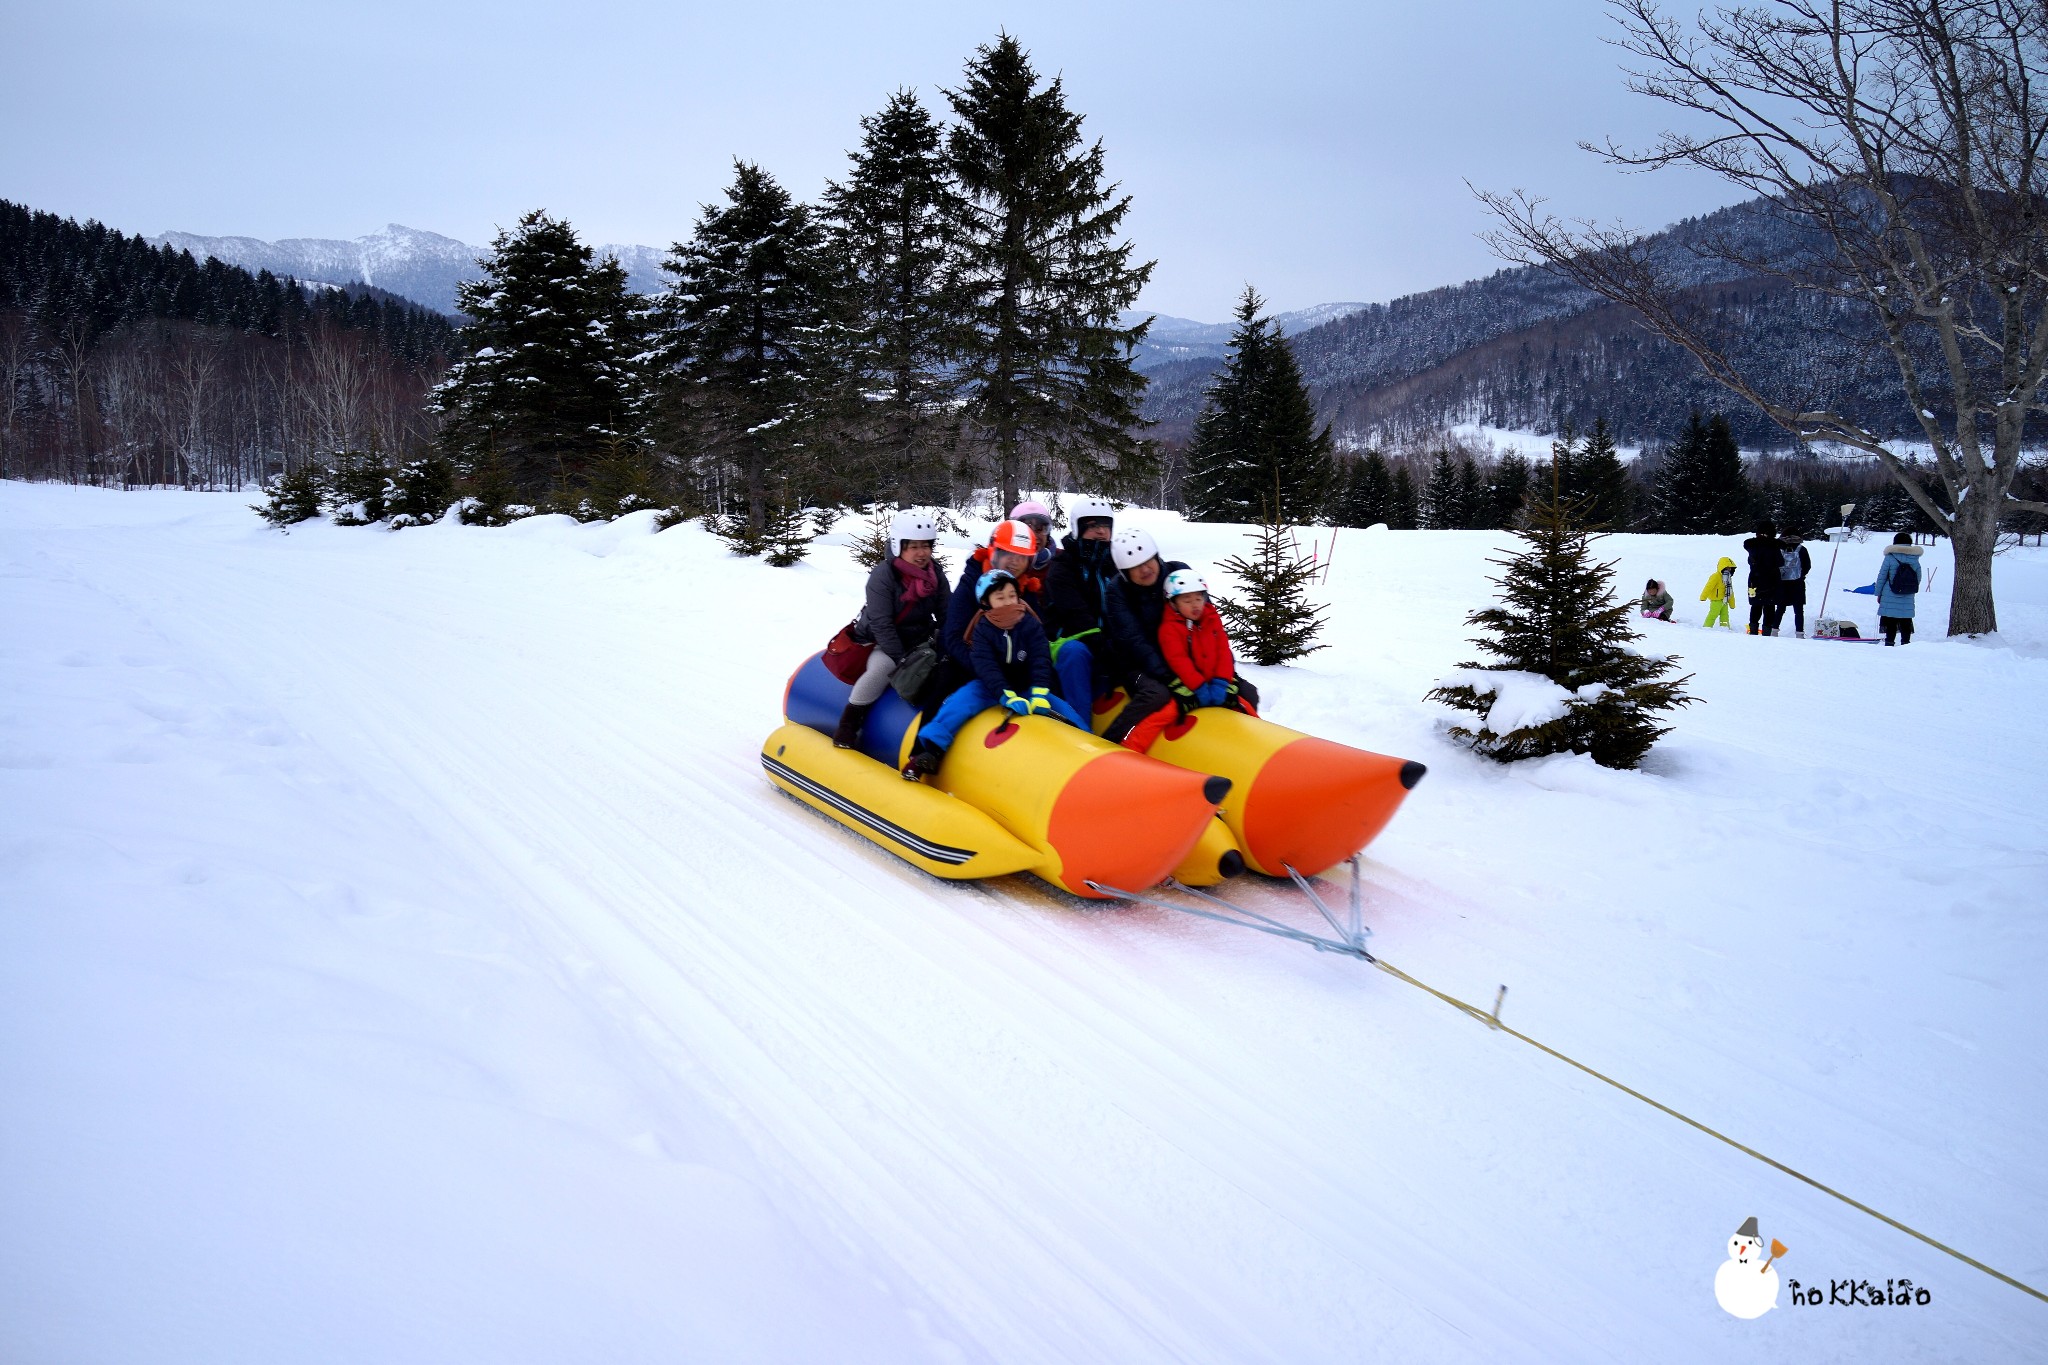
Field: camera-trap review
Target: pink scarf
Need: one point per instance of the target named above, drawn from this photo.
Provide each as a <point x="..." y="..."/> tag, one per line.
<point x="918" y="584"/>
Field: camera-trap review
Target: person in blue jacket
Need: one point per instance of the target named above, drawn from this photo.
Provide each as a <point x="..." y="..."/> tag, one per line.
<point x="1012" y="665"/>
<point x="1898" y="582"/>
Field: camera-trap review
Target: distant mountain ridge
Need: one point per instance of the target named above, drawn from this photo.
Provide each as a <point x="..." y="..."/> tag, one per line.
<point x="423" y="266"/>
<point x="1173" y="338"/>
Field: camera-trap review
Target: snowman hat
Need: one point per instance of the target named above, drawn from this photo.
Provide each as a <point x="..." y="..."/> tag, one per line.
<point x="1748" y="1229"/>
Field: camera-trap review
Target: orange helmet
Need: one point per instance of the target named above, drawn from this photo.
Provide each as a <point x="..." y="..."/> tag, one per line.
<point x="1014" y="537"/>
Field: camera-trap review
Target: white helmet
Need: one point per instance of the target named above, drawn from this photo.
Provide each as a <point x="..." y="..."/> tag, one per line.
<point x="911" y="525"/>
<point x="1184" y="580"/>
<point x="1129" y="549"/>
<point x="1082" y="509"/>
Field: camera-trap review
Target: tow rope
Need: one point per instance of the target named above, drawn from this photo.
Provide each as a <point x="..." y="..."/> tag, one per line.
<point x="1351" y="942"/>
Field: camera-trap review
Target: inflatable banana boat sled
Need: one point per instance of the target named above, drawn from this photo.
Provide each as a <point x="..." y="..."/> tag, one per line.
<point x="1221" y="792"/>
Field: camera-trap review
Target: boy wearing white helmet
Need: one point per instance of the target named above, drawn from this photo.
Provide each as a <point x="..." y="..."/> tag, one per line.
<point x="906" y="599"/>
<point x="1192" y="638"/>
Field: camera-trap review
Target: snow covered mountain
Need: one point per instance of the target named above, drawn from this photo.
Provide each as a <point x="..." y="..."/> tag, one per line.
<point x="423" y="266"/>
<point x="1173" y="338"/>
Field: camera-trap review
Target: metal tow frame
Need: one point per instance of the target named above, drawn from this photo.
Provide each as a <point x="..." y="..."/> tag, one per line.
<point x="1350" y="940"/>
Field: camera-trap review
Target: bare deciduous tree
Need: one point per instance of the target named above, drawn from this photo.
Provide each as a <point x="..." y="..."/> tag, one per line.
<point x="1903" y="139"/>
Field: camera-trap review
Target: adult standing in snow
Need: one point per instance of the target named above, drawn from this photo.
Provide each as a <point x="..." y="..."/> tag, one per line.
<point x="1765" y="564"/>
<point x="1083" y="609"/>
<point x="1140" y="605"/>
<point x="1898" y="582"/>
<point x="1794" y="564"/>
<point x="906" y="599"/>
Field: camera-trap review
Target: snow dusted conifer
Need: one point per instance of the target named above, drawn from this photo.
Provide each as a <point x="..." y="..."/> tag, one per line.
<point x="1046" y="365"/>
<point x="1564" y="679"/>
<point x="1474" y="507"/>
<point x="551" y="371"/>
<point x="888" y="229"/>
<point x="1507" y="492"/>
<point x="744" y="342"/>
<point x="1273" y="621"/>
<point x="294" y="496"/>
<point x="1256" y="437"/>
<point x="1443" y="506"/>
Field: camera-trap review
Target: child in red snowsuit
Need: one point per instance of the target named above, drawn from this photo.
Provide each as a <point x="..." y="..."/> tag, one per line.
<point x="1192" y="638"/>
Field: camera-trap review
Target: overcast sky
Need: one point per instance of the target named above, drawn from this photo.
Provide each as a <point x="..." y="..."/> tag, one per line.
<point x="1319" y="151"/>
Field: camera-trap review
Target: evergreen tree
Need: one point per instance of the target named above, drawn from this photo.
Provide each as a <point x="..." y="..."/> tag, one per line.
<point x="550" y="371"/>
<point x="419" y="491"/>
<point x="745" y="341"/>
<point x="1475" y="508"/>
<point x="888" y="229"/>
<point x="1406" y="509"/>
<point x="1368" y="498"/>
<point x="1255" y="443"/>
<point x="1443" y="509"/>
<point x="1702" y="488"/>
<point x="1558" y="620"/>
<point x="1600" y="481"/>
<point x="1275" y="621"/>
<point x="1047" y="368"/>
<point x="1508" y="491"/>
<point x="294" y="496"/>
<point x="1563" y="476"/>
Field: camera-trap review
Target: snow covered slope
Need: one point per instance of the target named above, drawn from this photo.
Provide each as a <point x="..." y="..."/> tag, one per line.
<point x="405" y="960"/>
<point x="423" y="266"/>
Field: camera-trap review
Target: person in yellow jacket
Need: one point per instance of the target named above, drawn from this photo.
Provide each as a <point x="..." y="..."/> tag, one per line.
<point x="1720" y="590"/>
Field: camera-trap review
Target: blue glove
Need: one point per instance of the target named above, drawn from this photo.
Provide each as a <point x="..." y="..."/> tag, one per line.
<point x="1016" y="704"/>
<point x="1214" y="692"/>
<point x="1041" y="700"/>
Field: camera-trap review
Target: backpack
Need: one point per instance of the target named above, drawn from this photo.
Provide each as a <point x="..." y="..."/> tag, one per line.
<point x="1788" y="569"/>
<point x="1905" y="578"/>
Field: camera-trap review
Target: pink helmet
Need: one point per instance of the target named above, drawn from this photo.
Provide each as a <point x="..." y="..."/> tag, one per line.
<point x="1030" y="508"/>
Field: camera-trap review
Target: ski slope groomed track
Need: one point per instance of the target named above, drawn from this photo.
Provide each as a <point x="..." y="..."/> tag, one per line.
<point x="403" y="959"/>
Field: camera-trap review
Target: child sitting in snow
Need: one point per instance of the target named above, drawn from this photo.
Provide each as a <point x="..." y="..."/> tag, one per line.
<point x="1719" y="592"/>
<point x="1192" y="639"/>
<point x="1012" y="668"/>
<point x="1657" y="603"/>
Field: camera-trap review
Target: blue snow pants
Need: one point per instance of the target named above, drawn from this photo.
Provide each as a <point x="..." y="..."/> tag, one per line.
<point x="976" y="697"/>
<point x="1074" y="664"/>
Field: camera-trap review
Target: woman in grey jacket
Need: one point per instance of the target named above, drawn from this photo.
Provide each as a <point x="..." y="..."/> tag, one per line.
<point x="906" y="601"/>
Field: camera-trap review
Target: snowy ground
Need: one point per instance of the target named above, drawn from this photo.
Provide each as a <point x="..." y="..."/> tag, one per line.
<point x="404" y="959"/>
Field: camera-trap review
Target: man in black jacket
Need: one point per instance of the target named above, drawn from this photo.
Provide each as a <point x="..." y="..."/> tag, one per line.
<point x="1136" y="603"/>
<point x="1764" y="563"/>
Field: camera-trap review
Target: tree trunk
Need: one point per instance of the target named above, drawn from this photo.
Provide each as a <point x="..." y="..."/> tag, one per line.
<point x="1971" y="610"/>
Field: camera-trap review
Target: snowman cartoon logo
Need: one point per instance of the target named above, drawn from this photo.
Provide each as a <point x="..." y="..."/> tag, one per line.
<point x="1745" y="1284"/>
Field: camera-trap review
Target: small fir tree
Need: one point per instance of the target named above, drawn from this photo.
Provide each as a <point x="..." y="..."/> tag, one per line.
<point x="871" y="546"/>
<point x="1274" y="621"/>
<point x="624" y="478"/>
<point x="1702" y="488"/>
<point x="789" y="534"/>
<point x="488" y="495"/>
<point x="1475" y="510"/>
<point x="1507" y="492"/>
<point x="420" y="491"/>
<point x="1443" y="507"/>
<point x="1368" y="496"/>
<point x="357" y="484"/>
<point x="1558" y="620"/>
<point x="293" y="496"/>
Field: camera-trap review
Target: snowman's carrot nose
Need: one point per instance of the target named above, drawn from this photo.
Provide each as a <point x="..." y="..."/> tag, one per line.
<point x="1778" y="1249"/>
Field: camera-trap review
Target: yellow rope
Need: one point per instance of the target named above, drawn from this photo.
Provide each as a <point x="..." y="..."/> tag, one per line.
<point x="1491" y="1022"/>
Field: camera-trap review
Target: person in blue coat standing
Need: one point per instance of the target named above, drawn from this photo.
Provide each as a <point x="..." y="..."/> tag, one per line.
<point x="1898" y="582"/>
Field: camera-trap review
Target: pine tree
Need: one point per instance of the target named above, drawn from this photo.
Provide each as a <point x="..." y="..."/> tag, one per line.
<point x="1368" y="497"/>
<point x="1255" y="439"/>
<point x="1508" y="491"/>
<point x="419" y="491"/>
<point x="1702" y="488"/>
<point x="745" y="342"/>
<point x="550" y="371"/>
<point x="1406" y="509"/>
<point x="1600" y="480"/>
<point x="1047" y="369"/>
<point x="1442" y="507"/>
<point x="624" y="478"/>
<point x="1475" y="508"/>
<point x="1275" y="621"/>
<point x="1558" y="620"/>
<point x="888" y="227"/>
<point x="294" y="496"/>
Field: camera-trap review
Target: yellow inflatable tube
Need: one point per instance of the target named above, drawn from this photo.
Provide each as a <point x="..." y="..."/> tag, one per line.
<point x="1295" y="800"/>
<point x="1095" y="811"/>
<point x="922" y="825"/>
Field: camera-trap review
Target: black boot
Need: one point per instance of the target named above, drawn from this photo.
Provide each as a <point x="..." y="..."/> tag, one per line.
<point x="924" y="761"/>
<point x="847" y="736"/>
